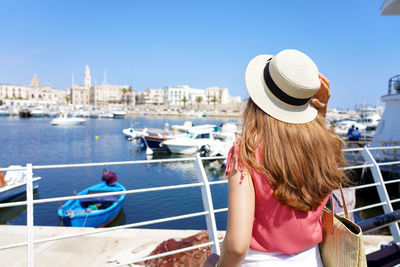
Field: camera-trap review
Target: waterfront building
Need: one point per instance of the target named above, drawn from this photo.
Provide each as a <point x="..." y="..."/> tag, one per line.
<point x="101" y="94"/>
<point x="217" y="95"/>
<point x="151" y="96"/>
<point x="105" y="93"/>
<point x="196" y="96"/>
<point x="34" y="92"/>
<point x="175" y="95"/>
<point x="80" y="94"/>
<point x="10" y="91"/>
<point x="234" y="100"/>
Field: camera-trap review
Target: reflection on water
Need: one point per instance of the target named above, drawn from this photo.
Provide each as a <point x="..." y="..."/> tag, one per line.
<point x="7" y="214"/>
<point x="119" y="220"/>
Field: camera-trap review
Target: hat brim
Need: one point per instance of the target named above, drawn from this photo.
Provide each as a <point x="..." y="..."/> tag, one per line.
<point x="264" y="99"/>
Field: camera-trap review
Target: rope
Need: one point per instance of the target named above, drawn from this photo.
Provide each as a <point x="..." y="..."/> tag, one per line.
<point x="84" y="223"/>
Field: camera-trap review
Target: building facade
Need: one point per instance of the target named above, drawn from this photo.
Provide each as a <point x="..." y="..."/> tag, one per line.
<point x="151" y="96"/>
<point x="35" y="92"/>
<point x="217" y="95"/>
<point x="101" y="94"/>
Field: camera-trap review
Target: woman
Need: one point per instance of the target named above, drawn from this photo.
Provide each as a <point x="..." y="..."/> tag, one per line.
<point x="282" y="168"/>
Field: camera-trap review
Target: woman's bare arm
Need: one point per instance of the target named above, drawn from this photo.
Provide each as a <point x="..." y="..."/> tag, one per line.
<point x="241" y="202"/>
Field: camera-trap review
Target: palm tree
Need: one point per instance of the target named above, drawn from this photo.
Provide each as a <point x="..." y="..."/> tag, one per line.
<point x="129" y="95"/>
<point x="214" y="100"/>
<point x="184" y="102"/>
<point x="198" y="100"/>
<point x="124" y="91"/>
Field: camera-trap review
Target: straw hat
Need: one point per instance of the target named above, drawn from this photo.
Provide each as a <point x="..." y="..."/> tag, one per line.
<point x="283" y="85"/>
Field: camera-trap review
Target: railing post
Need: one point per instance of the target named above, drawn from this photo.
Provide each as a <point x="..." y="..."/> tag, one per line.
<point x="382" y="192"/>
<point x="29" y="213"/>
<point x="208" y="204"/>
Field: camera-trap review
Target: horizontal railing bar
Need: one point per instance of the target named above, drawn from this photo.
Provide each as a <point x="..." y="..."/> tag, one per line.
<point x="13" y="169"/>
<point x="16" y="245"/>
<point x="13" y="204"/>
<point x="392" y="181"/>
<point x="384" y="147"/>
<point x="225" y="181"/>
<point x="351" y="149"/>
<point x="166" y="254"/>
<point x="213" y="157"/>
<point x="388" y="163"/>
<point x="41" y="167"/>
<point x="364" y="208"/>
<point x="356" y="167"/>
<point x="220" y="210"/>
<point x="395" y="200"/>
<point x="103" y="230"/>
<point x="134" y="191"/>
<point x="363" y="186"/>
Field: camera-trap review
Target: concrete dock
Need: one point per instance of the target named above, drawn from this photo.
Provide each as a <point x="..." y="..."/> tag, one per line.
<point x="103" y="249"/>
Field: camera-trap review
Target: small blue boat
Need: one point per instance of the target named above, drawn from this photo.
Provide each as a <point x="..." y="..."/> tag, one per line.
<point x="94" y="211"/>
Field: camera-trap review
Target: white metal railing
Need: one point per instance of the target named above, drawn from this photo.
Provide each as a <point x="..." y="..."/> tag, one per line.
<point x="203" y="183"/>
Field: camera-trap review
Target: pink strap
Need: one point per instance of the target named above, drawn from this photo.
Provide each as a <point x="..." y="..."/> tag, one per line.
<point x="234" y="151"/>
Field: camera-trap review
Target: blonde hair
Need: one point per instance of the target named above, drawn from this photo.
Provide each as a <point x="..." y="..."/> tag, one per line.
<point x="300" y="161"/>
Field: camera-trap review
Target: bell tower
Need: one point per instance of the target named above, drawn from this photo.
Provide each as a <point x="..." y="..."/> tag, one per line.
<point x="87" y="78"/>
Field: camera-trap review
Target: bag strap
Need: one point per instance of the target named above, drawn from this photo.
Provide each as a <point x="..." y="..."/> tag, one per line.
<point x="346" y="212"/>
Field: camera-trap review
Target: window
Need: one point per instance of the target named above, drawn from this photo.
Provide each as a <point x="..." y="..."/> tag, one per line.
<point x="203" y="136"/>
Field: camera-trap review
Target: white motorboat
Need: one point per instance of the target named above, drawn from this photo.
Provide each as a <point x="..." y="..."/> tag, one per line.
<point x="4" y="113"/>
<point x="65" y="121"/>
<point x="217" y="142"/>
<point x="16" y="184"/>
<point x="107" y="115"/>
<point x="119" y="114"/>
<point x="132" y="133"/>
<point x="37" y="113"/>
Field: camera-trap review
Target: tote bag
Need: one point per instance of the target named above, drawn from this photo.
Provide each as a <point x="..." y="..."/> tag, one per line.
<point x="342" y="245"/>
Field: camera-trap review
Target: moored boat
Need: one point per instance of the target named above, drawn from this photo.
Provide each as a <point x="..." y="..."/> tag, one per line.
<point x="119" y="114"/>
<point x="197" y="138"/>
<point x="64" y="120"/>
<point x="15" y="184"/>
<point x="37" y="113"/>
<point x="94" y="211"/>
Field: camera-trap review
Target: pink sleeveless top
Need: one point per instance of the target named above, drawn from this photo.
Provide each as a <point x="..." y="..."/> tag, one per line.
<point x="277" y="227"/>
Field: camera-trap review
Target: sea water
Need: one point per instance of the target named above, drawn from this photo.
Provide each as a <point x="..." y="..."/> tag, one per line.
<point x="38" y="142"/>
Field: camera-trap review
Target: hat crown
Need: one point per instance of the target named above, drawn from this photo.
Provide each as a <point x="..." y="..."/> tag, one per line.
<point x="295" y="73"/>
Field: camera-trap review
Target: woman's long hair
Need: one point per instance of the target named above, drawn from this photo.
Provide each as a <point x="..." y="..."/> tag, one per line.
<point x="300" y="161"/>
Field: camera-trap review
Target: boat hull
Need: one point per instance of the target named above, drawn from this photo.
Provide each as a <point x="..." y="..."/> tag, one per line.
<point x="155" y="143"/>
<point x="181" y="149"/>
<point x="68" y="121"/>
<point x="16" y="191"/>
<point x="75" y="212"/>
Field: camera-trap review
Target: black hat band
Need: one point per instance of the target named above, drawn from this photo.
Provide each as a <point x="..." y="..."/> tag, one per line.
<point x="281" y="95"/>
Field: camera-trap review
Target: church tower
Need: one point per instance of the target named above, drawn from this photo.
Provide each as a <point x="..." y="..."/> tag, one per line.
<point x="87" y="78"/>
<point x="35" y="83"/>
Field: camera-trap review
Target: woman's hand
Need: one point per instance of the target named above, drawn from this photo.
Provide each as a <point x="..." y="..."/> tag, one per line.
<point x="211" y="260"/>
<point x="321" y="98"/>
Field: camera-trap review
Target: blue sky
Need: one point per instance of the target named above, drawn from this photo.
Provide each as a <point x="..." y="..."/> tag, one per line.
<point x="199" y="43"/>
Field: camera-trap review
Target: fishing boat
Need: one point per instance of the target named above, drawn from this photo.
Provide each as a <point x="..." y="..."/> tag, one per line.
<point x="94" y="211"/>
<point x="15" y="184"/>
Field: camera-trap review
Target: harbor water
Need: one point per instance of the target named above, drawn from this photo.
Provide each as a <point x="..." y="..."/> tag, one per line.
<point x="36" y="141"/>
